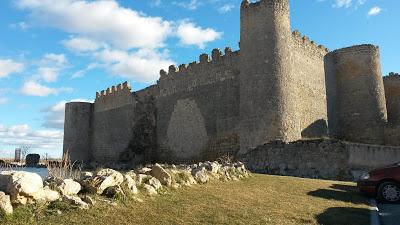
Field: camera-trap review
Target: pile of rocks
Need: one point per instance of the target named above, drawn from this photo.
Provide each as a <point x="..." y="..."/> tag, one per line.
<point x="21" y="188"/>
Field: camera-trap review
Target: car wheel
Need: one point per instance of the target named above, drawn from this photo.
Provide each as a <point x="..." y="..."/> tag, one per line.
<point x="389" y="192"/>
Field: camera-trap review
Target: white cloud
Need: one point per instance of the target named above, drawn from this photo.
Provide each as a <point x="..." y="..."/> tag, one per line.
<point x="48" y="74"/>
<point x="81" y="45"/>
<point x="51" y="58"/>
<point x="33" y="88"/>
<point x="54" y="115"/>
<point x="226" y="8"/>
<point x="190" y="34"/>
<point x="191" y="4"/>
<point x="22" y="134"/>
<point x="104" y="21"/>
<point x="349" y="3"/>
<point x="3" y="100"/>
<point x="155" y="3"/>
<point x="343" y="3"/>
<point x="20" y="25"/>
<point x="142" y="66"/>
<point x="8" y="66"/>
<point x="374" y="11"/>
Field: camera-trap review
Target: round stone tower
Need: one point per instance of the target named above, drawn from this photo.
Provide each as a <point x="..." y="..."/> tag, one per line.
<point x="267" y="86"/>
<point x="77" y="130"/>
<point x="360" y="102"/>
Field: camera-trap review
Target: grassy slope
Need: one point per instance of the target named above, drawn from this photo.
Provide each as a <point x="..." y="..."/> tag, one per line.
<point x="261" y="199"/>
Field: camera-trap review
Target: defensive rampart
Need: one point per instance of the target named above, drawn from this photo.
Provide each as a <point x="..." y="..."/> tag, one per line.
<point x="199" y="108"/>
<point x="326" y="159"/>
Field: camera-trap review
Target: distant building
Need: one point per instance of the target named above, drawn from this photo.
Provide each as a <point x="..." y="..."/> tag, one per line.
<point x="17" y="157"/>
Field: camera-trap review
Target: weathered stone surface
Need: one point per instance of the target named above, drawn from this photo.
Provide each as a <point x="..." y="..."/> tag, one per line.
<point x="69" y="187"/>
<point x="161" y="174"/>
<point x="20" y="183"/>
<point x="200" y="175"/>
<point x="74" y="200"/>
<point x="154" y="182"/>
<point x="130" y="184"/>
<point x="46" y="195"/>
<point x="5" y="203"/>
<point x="103" y="179"/>
<point x="149" y="190"/>
<point x="141" y="178"/>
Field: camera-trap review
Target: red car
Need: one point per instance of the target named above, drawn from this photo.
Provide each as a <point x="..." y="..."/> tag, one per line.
<point x="383" y="183"/>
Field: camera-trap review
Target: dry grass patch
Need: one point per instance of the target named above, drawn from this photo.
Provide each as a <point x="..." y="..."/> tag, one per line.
<point x="261" y="199"/>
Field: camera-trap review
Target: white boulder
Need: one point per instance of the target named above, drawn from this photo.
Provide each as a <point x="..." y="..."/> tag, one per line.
<point x="69" y="187"/>
<point x="161" y="174"/>
<point x="5" y="203"/>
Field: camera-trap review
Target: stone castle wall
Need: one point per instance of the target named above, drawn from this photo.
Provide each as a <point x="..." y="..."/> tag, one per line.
<point x="113" y="121"/>
<point x="326" y="159"/>
<point x="308" y="69"/>
<point x="279" y="86"/>
<point x="198" y="108"/>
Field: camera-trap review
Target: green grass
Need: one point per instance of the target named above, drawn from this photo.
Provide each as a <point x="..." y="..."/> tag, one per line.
<point x="261" y="199"/>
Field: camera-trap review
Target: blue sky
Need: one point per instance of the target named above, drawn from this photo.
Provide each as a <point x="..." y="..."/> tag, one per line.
<point x="52" y="52"/>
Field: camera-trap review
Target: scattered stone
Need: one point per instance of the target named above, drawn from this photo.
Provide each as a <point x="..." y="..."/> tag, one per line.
<point x="200" y="175"/>
<point x="131" y="185"/>
<point x="142" y="178"/>
<point x="20" y="183"/>
<point x="104" y="179"/>
<point x="69" y="187"/>
<point x="150" y="190"/>
<point x="155" y="183"/>
<point x="74" y="200"/>
<point x="46" y="195"/>
<point x="161" y="174"/>
<point x="5" y="203"/>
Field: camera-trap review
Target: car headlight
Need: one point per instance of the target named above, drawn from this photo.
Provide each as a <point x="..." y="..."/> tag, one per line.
<point x="365" y="176"/>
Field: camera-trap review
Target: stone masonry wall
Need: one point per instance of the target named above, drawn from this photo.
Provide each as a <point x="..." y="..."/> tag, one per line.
<point x="308" y="69"/>
<point x="112" y="123"/>
<point x="326" y="159"/>
<point x="198" y="109"/>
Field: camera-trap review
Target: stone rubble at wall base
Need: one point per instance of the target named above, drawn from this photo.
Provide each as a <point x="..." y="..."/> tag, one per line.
<point x="150" y="180"/>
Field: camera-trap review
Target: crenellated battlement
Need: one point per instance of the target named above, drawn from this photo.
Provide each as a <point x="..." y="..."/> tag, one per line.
<point x="175" y="72"/>
<point x="279" y="5"/>
<point x="305" y="42"/>
<point x="113" y="97"/>
<point x="113" y="90"/>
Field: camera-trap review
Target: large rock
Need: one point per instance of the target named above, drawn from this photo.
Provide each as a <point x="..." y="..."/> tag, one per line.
<point x="150" y="190"/>
<point x="130" y="184"/>
<point x="69" y="187"/>
<point x="103" y="179"/>
<point x="19" y="184"/>
<point x="155" y="183"/>
<point x="142" y="178"/>
<point x="161" y="174"/>
<point x="200" y="175"/>
<point x="213" y="167"/>
<point x="5" y="203"/>
<point x="183" y="177"/>
<point x="46" y="195"/>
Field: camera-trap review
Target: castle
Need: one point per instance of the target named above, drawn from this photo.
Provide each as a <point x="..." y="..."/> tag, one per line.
<point x="278" y="86"/>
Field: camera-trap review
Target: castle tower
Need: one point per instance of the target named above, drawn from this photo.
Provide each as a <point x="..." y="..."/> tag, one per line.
<point x="392" y="93"/>
<point x="77" y="130"/>
<point x="267" y="88"/>
<point x="360" y="97"/>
